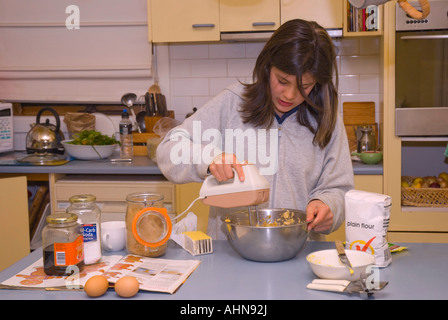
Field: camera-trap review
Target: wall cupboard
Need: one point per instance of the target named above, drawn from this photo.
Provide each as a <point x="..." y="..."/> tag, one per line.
<point x="328" y="13"/>
<point x="204" y="20"/>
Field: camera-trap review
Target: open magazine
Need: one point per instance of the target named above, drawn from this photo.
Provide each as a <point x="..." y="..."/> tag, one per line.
<point x="153" y="274"/>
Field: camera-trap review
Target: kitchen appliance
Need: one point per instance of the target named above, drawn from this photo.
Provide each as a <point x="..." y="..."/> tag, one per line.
<point x="45" y="138"/>
<point x="235" y="193"/>
<point x="421" y="72"/>
<point x="6" y="128"/>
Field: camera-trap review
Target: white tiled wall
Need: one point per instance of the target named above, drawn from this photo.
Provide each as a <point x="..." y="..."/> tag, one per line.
<point x="191" y="74"/>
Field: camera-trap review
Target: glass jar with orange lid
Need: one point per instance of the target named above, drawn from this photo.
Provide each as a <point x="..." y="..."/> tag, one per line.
<point x="148" y="226"/>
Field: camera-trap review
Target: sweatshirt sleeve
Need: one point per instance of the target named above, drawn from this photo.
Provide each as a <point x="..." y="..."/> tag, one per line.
<point x="186" y="151"/>
<point x="336" y="177"/>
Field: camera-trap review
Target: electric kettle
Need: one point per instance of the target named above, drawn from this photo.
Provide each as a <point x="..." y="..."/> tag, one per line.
<point x="45" y="137"/>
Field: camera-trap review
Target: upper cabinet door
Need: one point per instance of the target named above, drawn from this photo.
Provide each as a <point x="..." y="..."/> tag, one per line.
<point x="328" y="13"/>
<point x="192" y="20"/>
<point x="249" y="15"/>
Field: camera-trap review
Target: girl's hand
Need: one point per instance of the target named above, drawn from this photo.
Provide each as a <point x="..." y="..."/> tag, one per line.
<point x="322" y="215"/>
<point x="222" y="165"/>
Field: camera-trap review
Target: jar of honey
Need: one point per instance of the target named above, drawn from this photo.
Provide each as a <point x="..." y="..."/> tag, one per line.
<point x="148" y="226"/>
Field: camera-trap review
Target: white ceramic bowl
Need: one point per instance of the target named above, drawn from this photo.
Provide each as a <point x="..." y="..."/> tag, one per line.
<point x="326" y="264"/>
<point x="88" y="152"/>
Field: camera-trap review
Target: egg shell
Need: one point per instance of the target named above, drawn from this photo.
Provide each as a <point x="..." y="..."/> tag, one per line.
<point x="96" y="286"/>
<point x="126" y="287"/>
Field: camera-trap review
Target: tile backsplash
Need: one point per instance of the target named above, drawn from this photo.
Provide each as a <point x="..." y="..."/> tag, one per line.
<point x="191" y="74"/>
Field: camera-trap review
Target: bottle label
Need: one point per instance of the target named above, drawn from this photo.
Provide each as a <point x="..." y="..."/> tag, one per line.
<point x="125" y="128"/>
<point x="67" y="254"/>
<point x="90" y="232"/>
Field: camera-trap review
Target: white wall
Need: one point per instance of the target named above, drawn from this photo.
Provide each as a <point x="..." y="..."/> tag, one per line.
<point x="190" y="74"/>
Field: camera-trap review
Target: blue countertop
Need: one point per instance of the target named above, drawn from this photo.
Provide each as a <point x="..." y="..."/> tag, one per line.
<point x="139" y="165"/>
<point x="416" y="273"/>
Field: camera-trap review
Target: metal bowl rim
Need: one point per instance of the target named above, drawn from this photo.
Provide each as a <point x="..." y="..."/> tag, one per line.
<point x="224" y="217"/>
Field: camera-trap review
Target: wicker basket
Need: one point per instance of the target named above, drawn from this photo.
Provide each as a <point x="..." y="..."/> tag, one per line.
<point x="423" y="197"/>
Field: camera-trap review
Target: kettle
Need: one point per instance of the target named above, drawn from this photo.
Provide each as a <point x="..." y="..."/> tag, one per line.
<point x="45" y="137"/>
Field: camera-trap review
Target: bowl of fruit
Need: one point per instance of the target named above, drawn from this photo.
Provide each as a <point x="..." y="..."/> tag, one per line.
<point x="427" y="191"/>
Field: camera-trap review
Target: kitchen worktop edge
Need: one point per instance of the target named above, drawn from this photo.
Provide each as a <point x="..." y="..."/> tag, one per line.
<point x="139" y="165"/>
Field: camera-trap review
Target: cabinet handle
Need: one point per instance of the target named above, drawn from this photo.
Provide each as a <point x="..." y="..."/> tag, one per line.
<point x="203" y="25"/>
<point x="263" y="24"/>
<point x="441" y="36"/>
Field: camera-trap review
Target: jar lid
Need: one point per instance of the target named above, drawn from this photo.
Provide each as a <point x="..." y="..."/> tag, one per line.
<point x="145" y="198"/>
<point x="82" y="198"/>
<point x="151" y="226"/>
<point x="57" y="218"/>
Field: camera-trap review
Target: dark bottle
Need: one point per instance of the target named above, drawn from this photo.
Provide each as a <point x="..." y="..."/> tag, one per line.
<point x="62" y="243"/>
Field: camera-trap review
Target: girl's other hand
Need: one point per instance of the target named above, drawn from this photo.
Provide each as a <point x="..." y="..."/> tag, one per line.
<point x="321" y="214"/>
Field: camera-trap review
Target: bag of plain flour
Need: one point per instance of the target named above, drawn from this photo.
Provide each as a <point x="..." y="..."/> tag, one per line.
<point x="366" y="223"/>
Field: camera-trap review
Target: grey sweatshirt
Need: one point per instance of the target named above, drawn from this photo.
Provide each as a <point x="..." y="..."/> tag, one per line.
<point x="298" y="171"/>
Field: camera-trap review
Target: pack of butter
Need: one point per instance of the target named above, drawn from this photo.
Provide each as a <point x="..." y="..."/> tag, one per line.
<point x="185" y="234"/>
<point x="197" y="242"/>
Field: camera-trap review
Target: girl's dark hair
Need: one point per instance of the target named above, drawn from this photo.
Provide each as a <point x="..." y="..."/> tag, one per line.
<point x="296" y="48"/>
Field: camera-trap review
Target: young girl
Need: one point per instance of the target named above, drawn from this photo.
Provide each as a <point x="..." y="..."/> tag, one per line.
<point x="286" y="122"/>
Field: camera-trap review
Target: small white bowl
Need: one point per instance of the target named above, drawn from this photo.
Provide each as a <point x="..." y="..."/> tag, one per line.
<point x="88" y="152"/>
<point x="326" y="264"/>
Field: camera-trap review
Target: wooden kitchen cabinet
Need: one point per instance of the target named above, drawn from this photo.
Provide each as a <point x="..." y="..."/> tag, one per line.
<point x="407" y="224"/>
<point x="178" y="21"/>
<point x="204" y="20"/>
<point x="185" y="194"/>
<point x="110" y="191"/>
<point x="328" y="13"/>
<point x="250" y="15"/>
<point x="15" y="234"/>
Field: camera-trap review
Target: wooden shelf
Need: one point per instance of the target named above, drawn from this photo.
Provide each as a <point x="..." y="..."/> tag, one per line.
<point x="346" y="29"/>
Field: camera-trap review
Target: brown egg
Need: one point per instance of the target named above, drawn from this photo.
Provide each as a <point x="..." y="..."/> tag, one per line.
<point x="96" y="286"/>
<point x="127" y="287"/>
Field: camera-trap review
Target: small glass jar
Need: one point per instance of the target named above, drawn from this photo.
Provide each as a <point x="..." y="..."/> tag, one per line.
<point x="89" y="217"/>
<point x="148" y="226"/>
<point x="62" y="244"/>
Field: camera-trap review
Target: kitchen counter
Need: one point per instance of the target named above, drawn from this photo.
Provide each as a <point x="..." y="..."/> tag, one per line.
<point x="368" y="169"/>
<point x="417" y="273"/>
<point x="139" y="165"/>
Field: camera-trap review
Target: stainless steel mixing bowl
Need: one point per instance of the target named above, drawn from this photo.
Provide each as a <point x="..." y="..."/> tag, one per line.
<point x="266" y="243"/>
